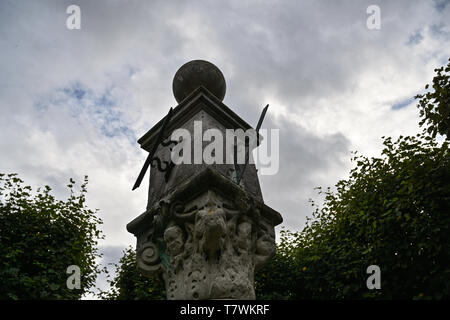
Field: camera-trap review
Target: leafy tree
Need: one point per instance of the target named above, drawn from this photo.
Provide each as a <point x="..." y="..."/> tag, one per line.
<point x="275" y="280"/>
<point x="434" y="106"/>
<point x="393" y="211"/>
<point x="129" y="284"/>
<point x="40" y="237"/>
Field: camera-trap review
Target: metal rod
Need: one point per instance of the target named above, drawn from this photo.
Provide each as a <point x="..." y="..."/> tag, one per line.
<point x="240" y="174"/>
<point x="153" y="150"/>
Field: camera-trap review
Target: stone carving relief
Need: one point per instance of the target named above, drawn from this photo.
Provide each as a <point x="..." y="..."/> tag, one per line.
<point x="207" y="248"/>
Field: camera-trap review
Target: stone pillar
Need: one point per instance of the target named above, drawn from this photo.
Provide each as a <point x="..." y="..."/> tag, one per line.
<point x="202" y="232"/>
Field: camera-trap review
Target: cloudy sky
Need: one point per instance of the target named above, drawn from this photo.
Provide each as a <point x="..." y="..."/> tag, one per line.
<point x="74" y="102"/>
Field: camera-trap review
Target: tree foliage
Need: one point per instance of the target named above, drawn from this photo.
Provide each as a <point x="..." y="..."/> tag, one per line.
<point x="434" y="105"/>
<point x="40" y="237"/>
<point x="129" y="284"/>
<point x="393" y="211"/>
<point x="275" y="281"/>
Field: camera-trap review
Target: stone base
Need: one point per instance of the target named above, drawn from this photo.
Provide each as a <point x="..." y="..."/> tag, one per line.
<point x="206" y="239"/>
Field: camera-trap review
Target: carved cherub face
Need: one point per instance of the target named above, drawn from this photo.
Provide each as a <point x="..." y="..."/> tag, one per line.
<point x="265" y="244"/>
<point x="173" y="236"/>
<point x="210" y="230"/>
<point x="244" y="231"/>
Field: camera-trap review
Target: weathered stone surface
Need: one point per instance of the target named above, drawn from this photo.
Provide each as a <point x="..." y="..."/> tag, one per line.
<point x="202" y="232"/>
<point x="201" y="105"/>
<point x="206" y="239"/>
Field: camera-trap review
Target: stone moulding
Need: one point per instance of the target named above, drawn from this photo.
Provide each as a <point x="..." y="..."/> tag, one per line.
<point x="206" y="238"/>
<point x="199" y="99"/>
<point x="207" y="179"/>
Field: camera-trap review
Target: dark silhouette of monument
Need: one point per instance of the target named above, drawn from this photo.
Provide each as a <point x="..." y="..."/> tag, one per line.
<point x="206" y="227"/>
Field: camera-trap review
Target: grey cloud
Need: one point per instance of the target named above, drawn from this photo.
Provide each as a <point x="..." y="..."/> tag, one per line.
<point x="307" y="160"/>
<point x="415" y="38"/>
<point x="441" y="4"/>
<point x="402" y="104"/>
<point x="111" y="254"/>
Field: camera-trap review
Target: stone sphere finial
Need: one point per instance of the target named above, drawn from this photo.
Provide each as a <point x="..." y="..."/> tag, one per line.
<point x="196" y="73"/>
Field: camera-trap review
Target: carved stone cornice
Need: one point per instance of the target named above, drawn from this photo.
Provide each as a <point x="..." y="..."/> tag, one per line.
<point x="199" y="99"/>
<point x="208" y="179"/>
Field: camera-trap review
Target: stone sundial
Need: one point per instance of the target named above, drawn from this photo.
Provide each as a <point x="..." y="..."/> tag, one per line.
<point x="204" y="232"/>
